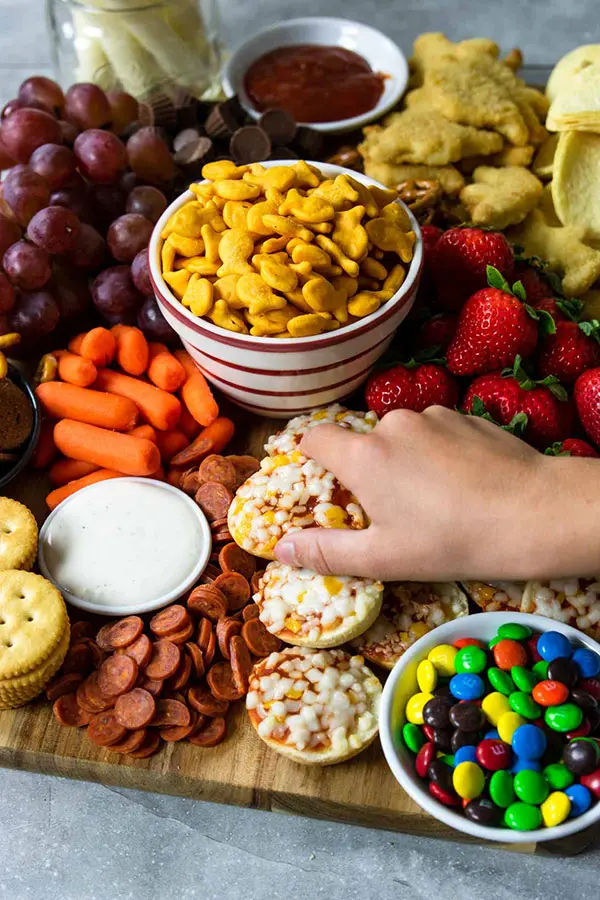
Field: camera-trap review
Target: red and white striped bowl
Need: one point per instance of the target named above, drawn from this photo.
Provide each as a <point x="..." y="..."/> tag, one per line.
<point x="276" y="377"/>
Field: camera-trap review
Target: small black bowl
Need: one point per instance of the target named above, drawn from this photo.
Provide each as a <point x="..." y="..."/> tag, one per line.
<point x="26" y="451"/>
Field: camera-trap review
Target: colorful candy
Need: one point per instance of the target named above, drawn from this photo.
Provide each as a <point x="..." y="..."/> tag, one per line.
<point x="555" y="809"/>
<point x="552" y="645"/>
<point x="468" y="780"/>
<point x="529" y="742"/>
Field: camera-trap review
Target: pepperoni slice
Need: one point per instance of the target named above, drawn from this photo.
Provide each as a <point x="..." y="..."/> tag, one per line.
<point x="203" y="701"/>
<point x="226" y="629"/>
<point x="91" y="698"/>
<point x="175" y="695"/>
<point x="64" y="684"/>
<point x="209" y="653"/>
<point x="210" y="573"/>
<point x="195" y="656"/>
<point x="211" y="735"/>
<point x="255" y="582"/>
<point x="218" y="524"/>
<point x="170" y="713"/>
<point x="204" y="633"/>
<point x="233" y="559"/>
<point x="214" y="499"/>
<point x="250" y="612"/>
<point x="193" y="453"/>
<point x="209" y="601"/>
<point x="117" y="675"/>
<point x="190" y="482"/>
<point x="135" y="709"/>
<point x="81" y="629"/>
<point x="149" y="684"/>
<point x="98" y="655"/>
<point x="132" y="741"/>
<point x="120" y="634"/>
<point x="181" y="732"/>
<point x="169" y="620"/>
<point x="260" y="642"/>
<point x="241" y="664"/>
<point x="105" y="729"/>
<point x="180" y="637"/>
<point x="78" y="660"/>
<point x="165" y="660"/>
<point x="140" y="651"/>
<point x="221" y="682"/>
<point x="244" y="466"/>
<point x="69" y="713"/>
<point x="222" y="537"/>
<point x="148" y="748"/>
<point x="183" y="673"/>
<point x="235" y="588"/>
<point x="218" y="469"/>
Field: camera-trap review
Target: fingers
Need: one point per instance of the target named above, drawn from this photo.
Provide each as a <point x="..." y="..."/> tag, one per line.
<point x="335" y="448"/>
<point x="328" y="551"/>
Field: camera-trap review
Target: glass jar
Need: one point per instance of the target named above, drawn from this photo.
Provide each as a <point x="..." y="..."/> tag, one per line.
<point x="138" y="46"/>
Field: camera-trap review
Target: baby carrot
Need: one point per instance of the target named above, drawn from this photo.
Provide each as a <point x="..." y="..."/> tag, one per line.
<point x="188" y="424"/>
<point x="57" y="496"/>
<point x="174" y="477"/>
<point x="212" y="439"/>
<point x="132" y="349"/>
<point x="99" y="345"/>
<point x="195" y="392"/>
<point x="170" y="443"/>
<point x="164" y="370"/>
<point x="68" y="401"/>
<point x="162" y="410"/>
<point x="107" y="449"/>
<point x="65" y="470"/>
<point x="76" y="369"/>
<point x="76" y="342"/>
<point x="159" y="475"/>
<point x="45" y="449"/>
<point x="145" y="431"/>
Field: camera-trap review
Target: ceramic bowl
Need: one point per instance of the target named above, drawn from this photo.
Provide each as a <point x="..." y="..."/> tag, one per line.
<point x="378" y="50"/>
<point x="282" y="378"/>
<point x="402" y="683"/>
<point x="7" y="473"/>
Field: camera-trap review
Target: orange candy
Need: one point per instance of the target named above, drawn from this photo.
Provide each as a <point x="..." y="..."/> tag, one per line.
<point x="550" y="693"/>
<point x="509" y="653"/>
<point x="468" y="642"/>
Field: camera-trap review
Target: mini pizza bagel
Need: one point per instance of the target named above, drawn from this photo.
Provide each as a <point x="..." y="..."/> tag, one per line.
<point x="317" y="707"/>
<point x="410" y="610"/>
<point x="287" y="440"/>
<point x="311" y="610"/>
<point x="495" y="596"/>
<point x="572" y="601"/>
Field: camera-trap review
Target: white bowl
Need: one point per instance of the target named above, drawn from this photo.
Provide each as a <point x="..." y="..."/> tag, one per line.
<point x="282" y="378"/>
<point x="402" y="683"/>
<point x="378" y="50"/>
<point x="153" y="601"/>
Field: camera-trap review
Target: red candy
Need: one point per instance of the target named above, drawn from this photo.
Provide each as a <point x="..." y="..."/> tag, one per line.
<point x="591" y="685"/>
<point x="508" y="653"/>
<point x="428" y="732"/>
<point x="550" y="693"/>
<point x="443" y="796"/>
<point x="591" y="782"/>
<point x="468" y="642"/>
<point x="582" y="731"/>
<point x="531" y="645"/>
<point x="494" y="754"/>
<point x="425" y="757"/>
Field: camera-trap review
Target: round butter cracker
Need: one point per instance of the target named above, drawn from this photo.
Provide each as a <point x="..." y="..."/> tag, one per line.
<point x="33" y="620"/>
<point x="18" y="535"/>
<point x="23" y="688"/>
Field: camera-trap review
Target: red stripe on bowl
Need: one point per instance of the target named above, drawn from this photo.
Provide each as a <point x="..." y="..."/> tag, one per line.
<point x="319" y="390"/>
<point x="288" y="411"/>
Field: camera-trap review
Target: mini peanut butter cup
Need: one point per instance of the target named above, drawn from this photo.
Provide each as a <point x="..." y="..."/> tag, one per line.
<point x="164" y="110"/>
<point x="249" y="144"/>
<point x="185" y="137"/>
<point x="308" y="142"/>
<point x="194" y="155"/>
<point x="223" y="119"/>
<point x="279" y="124"/>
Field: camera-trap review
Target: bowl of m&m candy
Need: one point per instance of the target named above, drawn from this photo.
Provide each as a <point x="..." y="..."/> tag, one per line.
<point x="491" y="723"/>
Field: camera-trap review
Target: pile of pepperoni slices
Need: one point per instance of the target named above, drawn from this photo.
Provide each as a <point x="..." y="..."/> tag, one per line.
<point x="173" y="677"/>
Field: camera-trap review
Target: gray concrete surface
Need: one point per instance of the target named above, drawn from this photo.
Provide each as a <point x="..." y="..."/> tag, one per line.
<point x="62" y="840"/>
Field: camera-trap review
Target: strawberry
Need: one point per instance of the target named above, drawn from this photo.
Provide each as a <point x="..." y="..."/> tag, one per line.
<point x="587" y="400"/>
<point x="561" y="310"/>
<point x="460" y="259"/>
<point x="541" y="411"/>
<point x="412" y="386"/>
<point x="570" y="351"/>
<point x="535" y="285"/>
<point x="572" y="447"/>
<point x="493" y="327"/>
<point x="437" y="332"/>
<point x="431" y="235"/>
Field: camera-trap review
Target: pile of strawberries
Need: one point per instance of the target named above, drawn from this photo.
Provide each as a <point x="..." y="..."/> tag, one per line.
<point x="493" y="336"/>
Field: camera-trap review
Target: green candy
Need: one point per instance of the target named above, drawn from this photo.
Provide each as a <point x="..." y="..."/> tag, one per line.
<point x="448" y="758"/>
<point x="558" y="776"/>
<point x="501" y="788"/>
<point x="513" y="631"/>
<point x="566" y="717"/>
<point x="525" y="705"/>
<point x="500" y="681"/>
<point x="471" y="659"/>
<point x="531" y="787"/>
<point x="523" y="817"/>
<point x="541" y="669"/>
<point x="524" y="679"/>
<point x="494" y="641"/>
<point x="413" y="737"/>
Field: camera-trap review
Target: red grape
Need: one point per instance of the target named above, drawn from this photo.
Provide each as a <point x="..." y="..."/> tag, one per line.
<point x="4" y="326"/>
<point x="127" y="182"/>
<point x="54" y="229"/>
<point x="25" y="192"/>
<point x="71" y="292"/>
<point x="7" y="294"/>
<point x="86" y="106"/>
<point x="149" y="156"/>
<point x="109" y="203"/>
<point x="140" y="272"/>
<point x="128" y="235"/>
<point x="34" y="315"/>
<point x="43" y="93"/>
<point x="27" y="266"/>
<point x="11" y="107"/>
<point x="147" y="201"/>
<point x="10" y="233"/>
<point x="123" y="110"/>
<point x="154" y="325"/>
<point x="69" y="132"/>
<point x="100" y="155"/>
<point x="115" y="296"/>
<point x="54" y="163"/>
<point x="75" y="198"/>
<point x="6" y="160"/>
<point x="26" y="130"/>
<point x="90" y="249"/>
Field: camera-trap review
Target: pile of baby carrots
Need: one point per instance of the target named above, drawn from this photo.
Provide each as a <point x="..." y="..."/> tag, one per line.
<point x="121" y="405"/>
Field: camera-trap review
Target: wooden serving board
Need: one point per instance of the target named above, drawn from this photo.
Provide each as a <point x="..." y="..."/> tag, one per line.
<point x="242" y="770"/>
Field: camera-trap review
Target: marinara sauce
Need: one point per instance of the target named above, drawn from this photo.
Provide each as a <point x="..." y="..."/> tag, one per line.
<point x="314" y="83"/>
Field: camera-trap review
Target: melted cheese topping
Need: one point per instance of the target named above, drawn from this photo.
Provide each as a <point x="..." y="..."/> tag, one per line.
<point x="573" y="601"/>
<point x="288" y="440"/>
<point x="313" y="700"/>
<point x="495" y="596"/>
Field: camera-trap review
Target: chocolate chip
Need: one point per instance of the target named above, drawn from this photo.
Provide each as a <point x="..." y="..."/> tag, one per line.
<point x="187" y="136"/>
<point x="309" y="142"/>
<point x="222" y="120"/>
<point x="249" y="144"/>
<point x="279" y="125"/>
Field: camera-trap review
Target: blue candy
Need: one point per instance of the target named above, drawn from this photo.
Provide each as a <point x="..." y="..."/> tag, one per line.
<point x="466" y="686"/>
<point x="581" y="799"/>
<point x="587" y="662"/>
<point x="553" y="644"/>
<point x="465" y="754"/>
<point x="530" y="764"/>
<point x="492" y="734"/>
<point x="529" y="742"/>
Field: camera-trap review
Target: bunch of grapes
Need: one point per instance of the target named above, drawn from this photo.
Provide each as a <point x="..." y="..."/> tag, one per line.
<point x="84" y="185"/>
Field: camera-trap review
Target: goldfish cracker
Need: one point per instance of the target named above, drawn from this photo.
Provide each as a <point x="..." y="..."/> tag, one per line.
<point x="279" y="177"/>
<point x="338" y="192"/>
<point x="225" y="317"/>
<point x="198" y="297"/>
<point x="274" y="245"/>
<point x="277" y="275"/>
<point x="349" y="234"/>
<point x="310" y="210"/>
<point x="395" y="279"/>
<point x="189" y="219"/>
<point x="297" y="298"/>
<point x="341" y="314"/>
<point x="185" y="246"/>
<point x="235" y="213"/>
<point x="321" y="295"/>
<point x="226" y="289"/>
<point x="389" y="237"/>
<point x="256" y="294"/>
<point x="211" y="239"/>
<point x="204" y="191"/>
<point x="381" y="196"/>
<point x="235" y="246"/>
<point x="310" y="324"/>
<point x="273" y="322"/>
<point x="365" y="197"/>
<point x="346" y="284"/>
<point x="200" y="265"/>
<point x="350" y="266"/>
<point x="230" y="189"/>
<point x="363" y="304"/>
<point x="397" y="215"/>
<point x="177" y="281"/>
<point x="308" y="253"/>
<point x="284" y="226"/>
<point x="373" y="268"/>
<point x="306" y="176"/>
<point x="223" y="168"/>
<point x="367" y="284"/>
<point x="254" y="217"/>
<point x="168" y="254"/>
<point x="303" y="270"/>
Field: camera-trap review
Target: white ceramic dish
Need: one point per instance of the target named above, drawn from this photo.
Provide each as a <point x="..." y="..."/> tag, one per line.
<point x="378" y="50"/>
<point x="283" y="378"/>
<point x="402" y="682"/>
<point x="153" y="597"/>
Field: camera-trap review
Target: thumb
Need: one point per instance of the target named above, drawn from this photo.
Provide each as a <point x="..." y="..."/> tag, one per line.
<point x="328" y="551"/>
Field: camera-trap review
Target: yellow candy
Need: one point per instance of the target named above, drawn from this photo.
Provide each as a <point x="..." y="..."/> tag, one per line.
<point x="230" y="189"/>
<point x="468" y="780"/>
<point x="224" y="317"/>
<point x="508" y="724"/>
<point x="235" y="246"/>
<point x="494" y="706"/>
<point x="555" y="808"/>
<point x="350" y="236"/>
<point x="427" y="676"/>
<point x="415" y="706"/>
<point x="310" y="324"/>
<point x="198" y="296"/>
<point x="443" y="657"/>
<point x="256" y="294"/>
<point x="223" y="168"/>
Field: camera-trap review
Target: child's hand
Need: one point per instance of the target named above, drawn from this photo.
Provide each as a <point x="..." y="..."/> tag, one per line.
<point x="450" y="497"/>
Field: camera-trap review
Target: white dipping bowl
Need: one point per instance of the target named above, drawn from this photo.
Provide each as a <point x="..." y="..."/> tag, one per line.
<point x="402" y="683"/>
<point x="153" y="599"/>
<point x="378" y="50"/>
